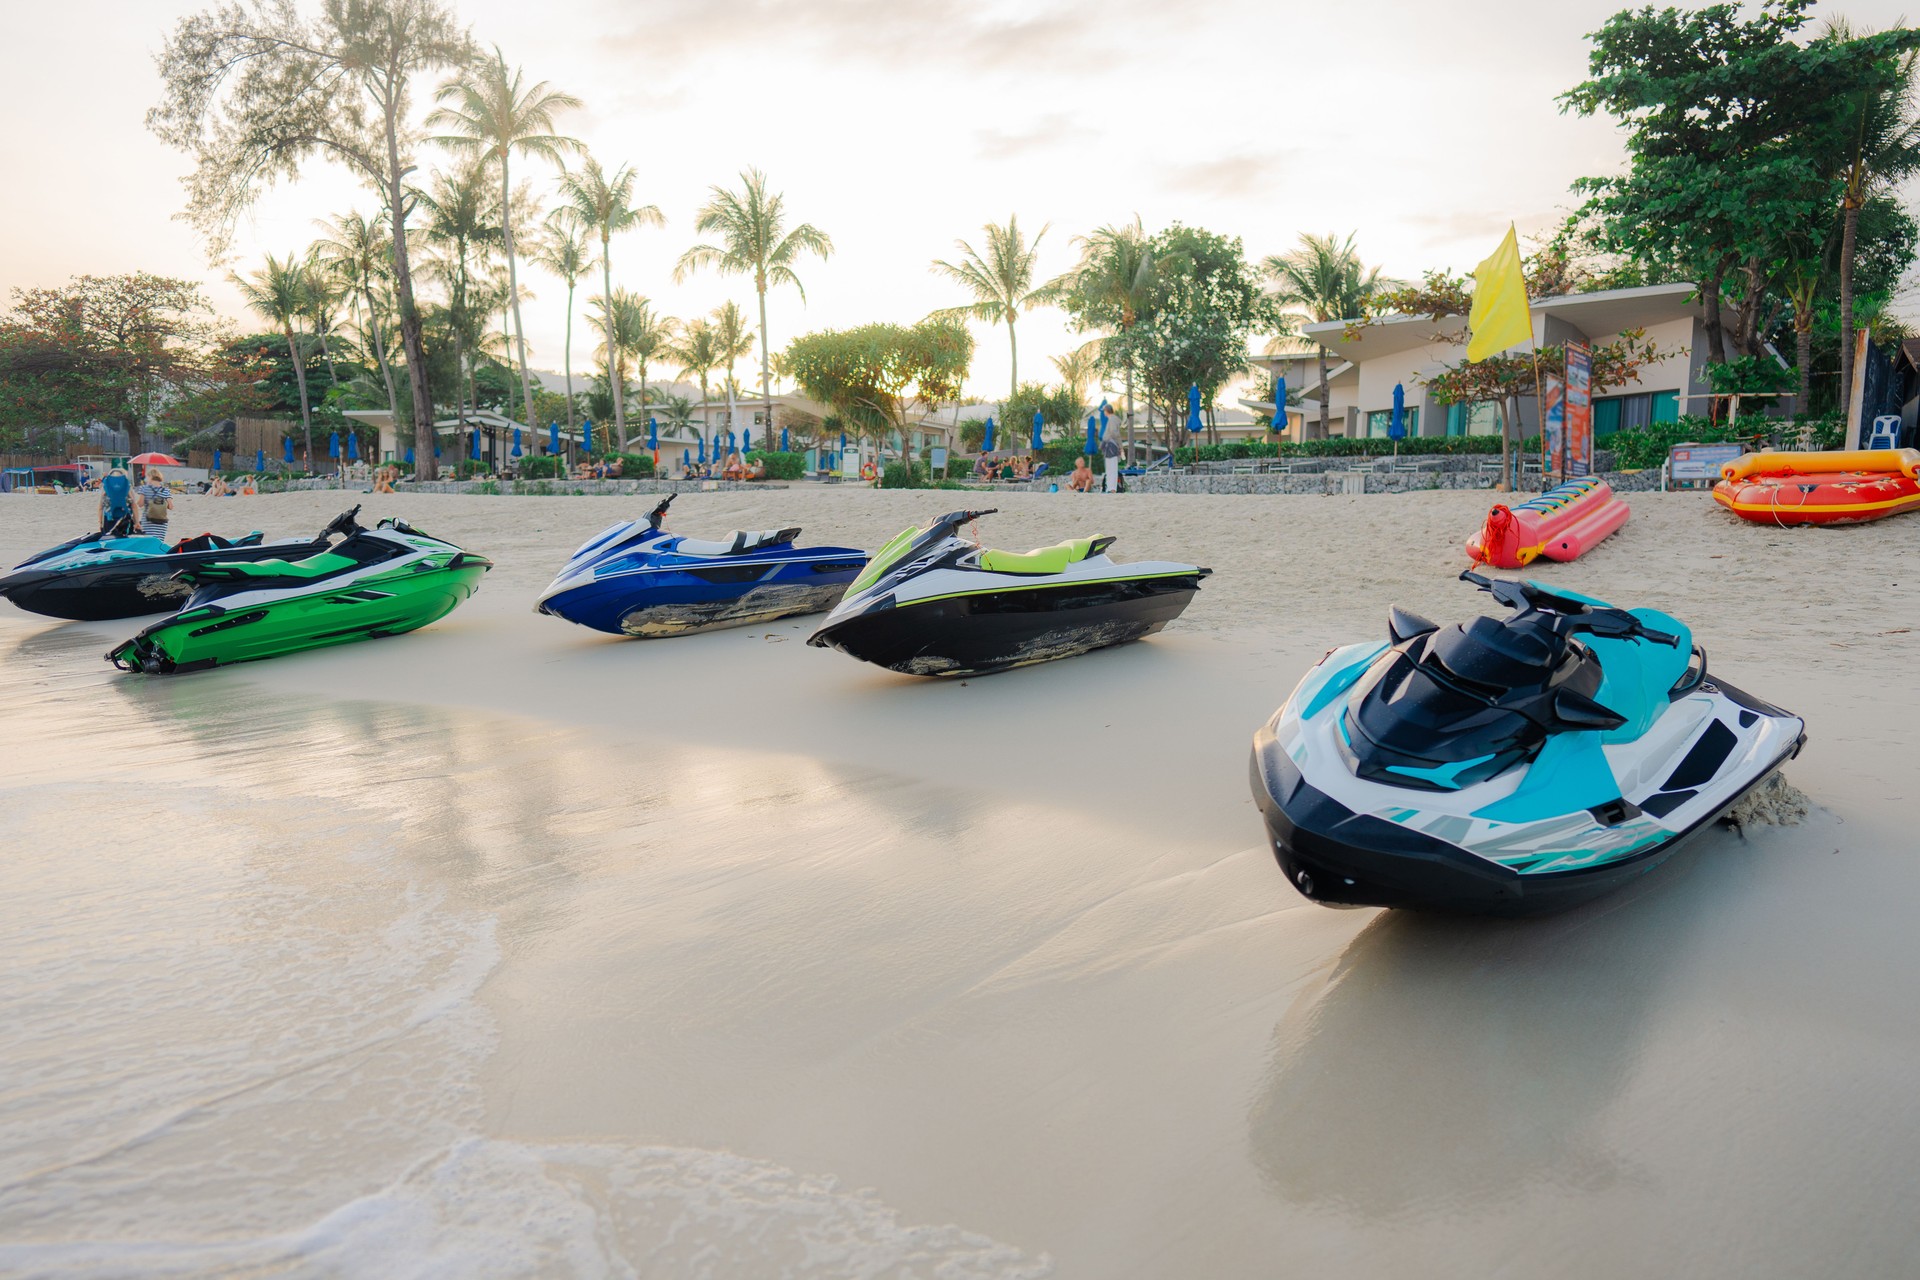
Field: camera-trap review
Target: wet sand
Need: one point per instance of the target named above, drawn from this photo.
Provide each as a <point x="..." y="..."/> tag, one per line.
<point x="505" y="948"/>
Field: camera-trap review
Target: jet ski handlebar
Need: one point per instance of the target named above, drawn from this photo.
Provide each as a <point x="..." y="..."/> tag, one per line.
<point x="343" y="524"/>
<point x="953" y="520"/>
<point x="659" y="513"/>
<point x="1580" y="615"/>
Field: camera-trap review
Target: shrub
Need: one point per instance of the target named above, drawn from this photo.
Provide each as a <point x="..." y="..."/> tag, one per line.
<point x="896" y="476"/>
<point x="634" y="466"/>
<point x="546" y="466"/>
<point x="780" y="466"/>
<point x="1642" y="448"/>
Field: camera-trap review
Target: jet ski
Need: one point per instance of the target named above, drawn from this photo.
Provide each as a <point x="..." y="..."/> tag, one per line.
<point x="932" y="603"/>
<point x="640" y="580"/>
<point x="373" y="582"/>
<point x="118" y="575"/>
<point x="1507" y="766"/>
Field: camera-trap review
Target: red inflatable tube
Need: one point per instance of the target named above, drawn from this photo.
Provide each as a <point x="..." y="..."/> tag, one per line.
<point x="1563" y="523"/>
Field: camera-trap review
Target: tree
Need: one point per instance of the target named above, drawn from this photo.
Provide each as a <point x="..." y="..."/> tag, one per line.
<point x="1733" y="128"/>
<point x="1078" y="367"/>
<point x="604" y="203"/>
<point x="651" y="340"/>
<point x="751" y="226"/>
<point x="565" y="252"/>
<point x="631" y="328"/>
<point x="1001" y="281"/>
<point x="1111" y="289"/>
<point x="1061" y="408"/>
<point x="460" y="223"/>
<point x="1206" y="302"/>
<point x="875" y="376"/>
<point x="698" y="352"/>
<point x="1326" y="280"/>
<point x="495" y="114"/>
<point x="111" y="348"/>
<point x="277" y="293"/>
<point x="254" y="92"/>
<point x="355" y="249"/>
<point x="731" y="341"/>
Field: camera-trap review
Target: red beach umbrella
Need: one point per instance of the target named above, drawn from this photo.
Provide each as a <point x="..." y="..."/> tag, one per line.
<point x="155" y="460"/>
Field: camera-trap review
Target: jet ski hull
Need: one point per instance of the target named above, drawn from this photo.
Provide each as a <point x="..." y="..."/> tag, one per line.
<point x="1387" y="854"/>
<point x="977" y="633"/>
<point x="126" y="587"/>
<point x="708" y="597"/>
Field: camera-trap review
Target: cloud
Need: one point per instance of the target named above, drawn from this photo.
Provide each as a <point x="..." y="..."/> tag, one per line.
<point x="1047" y="132"/>
<point x="1245" y="176"/>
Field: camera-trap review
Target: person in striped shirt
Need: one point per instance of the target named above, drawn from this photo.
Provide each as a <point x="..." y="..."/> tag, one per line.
<point x="153" y="505"/>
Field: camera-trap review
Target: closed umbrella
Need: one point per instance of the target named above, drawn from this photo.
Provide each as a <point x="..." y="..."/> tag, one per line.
<point x="1103" y="420"/>
<point x="259" y="459"/>
<point x="686" y="459"/>
<point x="586" y="435"/>
<point x="783" y="440"/>
<point x="1036" y="431"/>
<point x="703" y="448"/>
<point x="475" y="437"/>
<point x="353" y="448"/>
<point x="1397" y="420"/>
<point x="333" y="445"/>
<point x="746" y="439"/>
<point x="1091" y="428"/>
<point x="553" y="439"/>
<point x="986" y="442"/>
<point x="1279" y="423"/>
<point x="1193" y="409"/>
<point x="216" y="459"/>
<point x="732" y="441"/>
<point x="288" y="442"/>
<point x="516" y="442"/>
<point x="409" y="455"/>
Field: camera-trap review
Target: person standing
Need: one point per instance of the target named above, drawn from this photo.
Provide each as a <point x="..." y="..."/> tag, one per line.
<point x="1110" y="454"/>
<point x="116" y="503"/>
<point x="153" y="501"/>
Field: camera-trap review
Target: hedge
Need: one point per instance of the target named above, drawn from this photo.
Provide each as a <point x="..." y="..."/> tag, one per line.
<point x="780" y="466"/>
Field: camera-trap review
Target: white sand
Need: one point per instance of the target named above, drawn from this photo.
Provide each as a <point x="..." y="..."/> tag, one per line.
<point x="1010" y="952"/>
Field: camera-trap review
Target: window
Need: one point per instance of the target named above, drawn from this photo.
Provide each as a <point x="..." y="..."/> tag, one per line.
<point x="1666" y="406"/>
<point x="1481" y="419"/>
<point x="1606" y="417"/>
<point x="1615" y="413"/>
<point x="1381" y="420"/>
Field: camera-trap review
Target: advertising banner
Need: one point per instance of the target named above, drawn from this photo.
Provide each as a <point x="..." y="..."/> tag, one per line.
<point x="1553" y="420"/>
<point x="1578" y="432"/>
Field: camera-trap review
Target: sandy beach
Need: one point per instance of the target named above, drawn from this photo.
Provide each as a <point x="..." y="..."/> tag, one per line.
<point x="508" y="948"/>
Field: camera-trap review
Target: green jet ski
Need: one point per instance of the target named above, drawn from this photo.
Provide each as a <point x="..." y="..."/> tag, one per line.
<point x="373" y="582"/>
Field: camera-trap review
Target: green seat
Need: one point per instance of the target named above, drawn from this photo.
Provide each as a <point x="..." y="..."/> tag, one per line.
<point x="318" y="566"/>
<point x="1043" y="560"/>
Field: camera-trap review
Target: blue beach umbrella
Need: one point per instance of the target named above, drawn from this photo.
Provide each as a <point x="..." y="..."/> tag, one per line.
<point x="653" y="434"/>
<point x="216" y="459"/>
<point x="553" y="437"/>
<point x="333" y="445"/>
<point x="436" y="447"/>
<point x="353" y="448"/>
<point x="288" y="442"/>
<point x="686" y="458"/>
<point x="409" y="455"/>
<point x="746" y="439"/>
<point x="586" y="435"/>
<point x="516" y="442"/>
<point x="703" y="448"/>
<point x="732" y="441"/>
<point x="843" y="442"/>
<point x="783" y="440"/>
<point x="986" y="443"/>
<point x="259" y="459"/>
<point x="1397" y="421"/>
<point x="475" y="437"/>
<point x="1092" y="427"/>
<point x="1036" y="429"/>
<point x="1279" y="422"/>
<point x="1193" y="409"/>
<point x="1103" y="419"/>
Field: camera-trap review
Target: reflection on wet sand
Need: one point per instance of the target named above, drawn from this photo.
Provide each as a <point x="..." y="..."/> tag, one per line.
<point x="1444" y="1064"/>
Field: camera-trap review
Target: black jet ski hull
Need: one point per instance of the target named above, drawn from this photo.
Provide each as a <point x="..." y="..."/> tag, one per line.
<point x="127" y="588"/>
<point x="994" y="631"/>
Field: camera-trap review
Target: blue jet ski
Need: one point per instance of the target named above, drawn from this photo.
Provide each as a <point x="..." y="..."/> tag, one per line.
<point x="1507" y="766"/>
<point x="117" y="574"/>
<point x="640" y="580"/>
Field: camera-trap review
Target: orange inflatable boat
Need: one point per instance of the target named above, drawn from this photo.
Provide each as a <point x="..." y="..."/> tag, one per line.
<point x="1560" y="524"/>
<point x="1844" y="486"/>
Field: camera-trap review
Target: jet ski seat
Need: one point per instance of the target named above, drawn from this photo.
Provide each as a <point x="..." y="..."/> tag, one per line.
<point x="1052" y="559"/>
<point x="318" y="566"/>
<point x="214" y="542"/>
<point x="739" y="542"/>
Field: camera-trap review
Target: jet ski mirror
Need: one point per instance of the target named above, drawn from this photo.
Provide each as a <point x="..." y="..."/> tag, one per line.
<point x="1403" y="625"/>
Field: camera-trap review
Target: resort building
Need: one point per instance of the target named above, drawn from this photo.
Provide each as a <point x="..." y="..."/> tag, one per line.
<point x="1365" y="363"/>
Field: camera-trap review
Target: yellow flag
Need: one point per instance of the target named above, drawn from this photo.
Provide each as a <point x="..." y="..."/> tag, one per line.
<point x="1499" y="318"/>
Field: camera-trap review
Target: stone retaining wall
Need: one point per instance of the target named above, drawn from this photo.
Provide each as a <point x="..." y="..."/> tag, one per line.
<point x="552" y="488"/>
<point x="1355" y="482"/>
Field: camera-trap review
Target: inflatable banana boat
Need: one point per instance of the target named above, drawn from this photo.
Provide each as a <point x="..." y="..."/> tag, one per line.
<point x="1847" y="486"/>
<point x="1561" y="524"/>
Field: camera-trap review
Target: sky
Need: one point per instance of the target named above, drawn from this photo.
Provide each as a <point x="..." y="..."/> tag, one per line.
<point x="897" y="127"/>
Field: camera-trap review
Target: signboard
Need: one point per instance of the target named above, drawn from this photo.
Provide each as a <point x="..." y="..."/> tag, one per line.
<point x="1553" y="420"/>
<point x="1578" y="428"/>
<point x="939" y="460"/>
<point x="1700" y="461"/>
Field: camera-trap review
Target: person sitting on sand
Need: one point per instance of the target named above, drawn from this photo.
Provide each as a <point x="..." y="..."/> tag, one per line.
<point x="758" y="471"/>
<point x="383" y="480"/>
<point x="1023" y="468"/>
<point x="616" y="468"/>
<point x="219" y="489"/>
<point x="983" y="467"/>
<point x="1081" y="481"/>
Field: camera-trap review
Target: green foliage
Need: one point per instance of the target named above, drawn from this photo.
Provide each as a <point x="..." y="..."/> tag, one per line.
<point x="634" y="466"/>
<point x="1749" y="374"/>
<point x="1342" y="447"/>
<point x="875" y="375"/>
<point x="1061" y="414"/>
<point x="973" y="433"/>
<point x="780" y="466"/>
<point x="546" y="466"/>
<point x="898" y="475"/>
<point x="1642" y="448"/>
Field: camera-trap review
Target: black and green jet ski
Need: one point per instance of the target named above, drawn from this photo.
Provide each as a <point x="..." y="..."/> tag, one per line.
<point x="373" y="582"/>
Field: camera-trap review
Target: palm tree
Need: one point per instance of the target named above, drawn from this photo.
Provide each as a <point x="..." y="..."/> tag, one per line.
<point x="460" y="221"/>
<point x="605" y="205"/>
<point x="652" y="339"/>
<point x="1078" y="367"/>
<point x="1115" y="280"/>
<point x="565" y="252"/>
<point x="357" y="250"/>
<point x="732" y="341"/>
<point x="698" y="352"/>
<point x="752" y="229"/>
<point x="277" y="294"/>
<point x="323" y="290"/>
<point x="1324" y="277"/>
<point x="1885" y="153"/>
<point x="1001" y="281"/>
<point x="626" y="320"/>
<point x="494" y="114"/>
